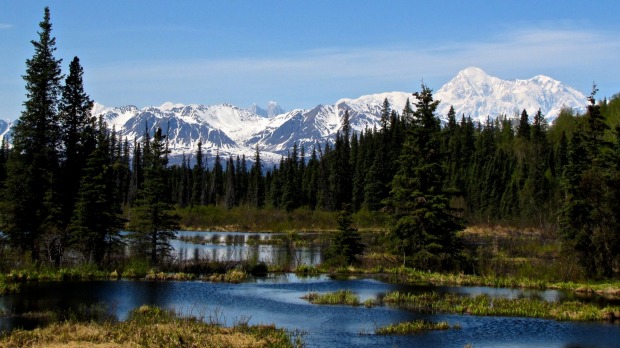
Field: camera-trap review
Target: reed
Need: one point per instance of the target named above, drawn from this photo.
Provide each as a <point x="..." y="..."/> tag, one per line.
<point x="82" y="272"/>
<point x="152" y="275"/>
<point x="340" y="297"/>
<point x="307" y="269"/>
<point x="7" y="287"/>
<point x="485" y="305"/>
<point x="232" y="276"/>
<point x="413" y="327"/>
<point x="410" y="275"/>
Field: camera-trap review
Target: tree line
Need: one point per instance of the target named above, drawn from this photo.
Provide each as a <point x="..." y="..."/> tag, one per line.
<point x="67" y="178"/>
<point x="71" y="184"/>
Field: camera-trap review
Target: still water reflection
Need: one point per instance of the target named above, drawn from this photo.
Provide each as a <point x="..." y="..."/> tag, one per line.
<point x="239" y="246"/>
<point x="277" y="299"/>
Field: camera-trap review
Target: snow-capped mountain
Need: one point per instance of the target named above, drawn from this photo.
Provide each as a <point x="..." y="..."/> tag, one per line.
<point x="273" y="109"/>
<point x="231" y="131"/>
<point x="474" y="93"/>
<point x="5" y="128"/>
<point x="221" y="128"/>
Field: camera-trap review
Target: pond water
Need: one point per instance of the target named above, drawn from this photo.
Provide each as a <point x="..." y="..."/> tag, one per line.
<point x="277" y="299"/>
<point x="240" y="246"/>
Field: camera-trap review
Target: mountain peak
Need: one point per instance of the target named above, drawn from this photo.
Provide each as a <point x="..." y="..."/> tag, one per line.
<point x="474" y="93"/>
<point x="273" y="109"/>
<point x="473" y="73"/>
<point x="167" y="106"/>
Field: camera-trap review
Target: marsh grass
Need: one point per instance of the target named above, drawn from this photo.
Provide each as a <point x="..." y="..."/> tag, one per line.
<point x="340" y="297"/>
<point x="413" y="327"/>
<point x="370" y="302"/>
<point x="81" y="272"/>
<point x="482" y="305"/>
<point x="485" y="305"/>
<point x="8" y="287"/>
<point x="307" y="269"/>
<point x="153" y="275"/>
<point x="96" y="313"/>
<point x="410" y="275"/>
<point x="150" y="327"/>
<point x="232" y="276"/>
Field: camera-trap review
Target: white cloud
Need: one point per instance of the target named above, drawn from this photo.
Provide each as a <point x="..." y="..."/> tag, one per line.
<point x="516" y="54"/>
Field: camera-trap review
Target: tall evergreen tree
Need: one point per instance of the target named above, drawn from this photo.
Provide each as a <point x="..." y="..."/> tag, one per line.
<point x="216" y="188"/>
<point x="152" y="225"/>
<point x="589" y="216"/>
<point x="385" y="114"/>
<point x="342" y="164"/>
<point x="77" y="134"/>
<point x="198" y="177"/>
<point x="230" y="190"/>
<point x="523" y="130"/>
<point x="32" y="184"/>
<point x="257" y="185"/>
<point x="311" y="180"/>
<point x="137" y="172"/>
<point x="424" y="227"/>
<point x="538" y="182"/>
<point x="96" y="223"/>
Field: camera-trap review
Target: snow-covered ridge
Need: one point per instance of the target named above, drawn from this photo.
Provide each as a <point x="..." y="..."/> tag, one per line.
<point x="230" y="130"/>
<point x="474" y="93"/>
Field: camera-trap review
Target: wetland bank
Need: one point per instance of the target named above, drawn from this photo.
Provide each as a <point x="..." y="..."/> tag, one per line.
<point x="278" y="298"/>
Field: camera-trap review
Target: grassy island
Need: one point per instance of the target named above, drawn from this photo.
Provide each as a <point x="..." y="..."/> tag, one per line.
<point x="483" y="305"/>
<point x="150" y="327"/>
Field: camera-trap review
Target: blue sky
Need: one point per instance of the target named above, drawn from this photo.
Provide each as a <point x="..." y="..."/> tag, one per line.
<point x="304" y="53"/>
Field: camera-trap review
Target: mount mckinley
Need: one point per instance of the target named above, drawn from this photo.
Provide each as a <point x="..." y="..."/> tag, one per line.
<point x="231" y="131"/>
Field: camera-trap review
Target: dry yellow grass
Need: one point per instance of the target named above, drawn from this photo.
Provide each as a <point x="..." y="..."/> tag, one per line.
<point x="149" y="327"/>
<point x="500" y="231"/>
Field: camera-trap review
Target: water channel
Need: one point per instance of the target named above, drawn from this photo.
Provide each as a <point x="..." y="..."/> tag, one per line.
<point x="277" y="299"/>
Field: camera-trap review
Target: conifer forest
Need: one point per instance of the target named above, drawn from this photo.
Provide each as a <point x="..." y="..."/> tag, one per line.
<point x="75" y="191"/>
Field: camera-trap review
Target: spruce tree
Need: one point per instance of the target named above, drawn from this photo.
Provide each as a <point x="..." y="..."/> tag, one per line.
<point x="311" y="180"/>
<point x="589" y="217"/>
<point x="346" y="242"/>
<point x="385" y="114"/>
<point x="96" y="223"/>
<point x="424" y="228"/>
<point x="137" y="172"/>
<point x="538" y="181"/>
<point x="343" y="183"/>
<point x="230" y="184"/>
<point x="216" y="188"/>
<point x="198" y="177"/>
<point x="257" y="184"/>
<point x="77" y="134"/>
<point x="32" y="185"/>
<point x="152" y="225"/>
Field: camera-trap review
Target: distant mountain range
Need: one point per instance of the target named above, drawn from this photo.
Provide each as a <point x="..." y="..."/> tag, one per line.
<point x="230" y="130"/>
<point x="474" y="93"/>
